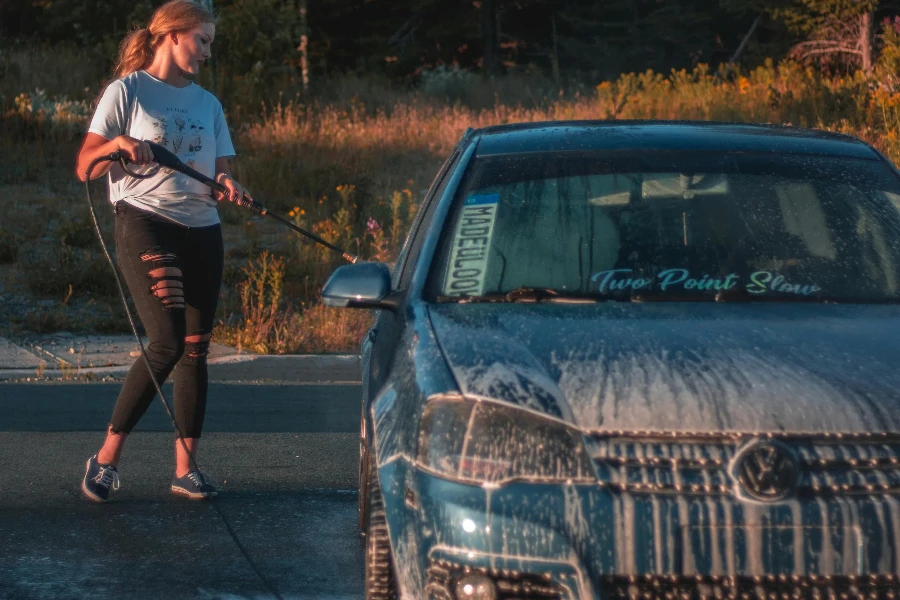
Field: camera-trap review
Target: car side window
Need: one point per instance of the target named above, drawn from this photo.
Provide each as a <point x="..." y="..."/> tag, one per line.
<point x="406" y="262"/>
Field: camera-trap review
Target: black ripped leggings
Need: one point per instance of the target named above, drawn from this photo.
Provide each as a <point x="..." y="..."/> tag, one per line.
<point x="174" y="273"/>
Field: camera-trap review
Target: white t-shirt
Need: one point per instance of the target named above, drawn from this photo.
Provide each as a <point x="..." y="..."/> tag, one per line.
<point x="189" y="121"/>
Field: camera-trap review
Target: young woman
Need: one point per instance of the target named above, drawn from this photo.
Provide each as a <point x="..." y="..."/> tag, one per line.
<point x="168" y="235"/>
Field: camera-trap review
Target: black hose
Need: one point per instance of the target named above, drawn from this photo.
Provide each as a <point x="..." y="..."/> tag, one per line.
<point x="116" y="156"/>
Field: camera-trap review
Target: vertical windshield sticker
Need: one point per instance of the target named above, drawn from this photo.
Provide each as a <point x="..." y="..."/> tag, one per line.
<point x="471" y="240"/>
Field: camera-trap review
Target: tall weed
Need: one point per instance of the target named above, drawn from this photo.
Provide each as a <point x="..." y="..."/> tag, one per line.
<point x="270" y="325"/>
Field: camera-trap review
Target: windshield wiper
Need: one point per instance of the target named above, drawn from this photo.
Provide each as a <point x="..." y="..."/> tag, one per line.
<point x="727" y="296"/>
<point x="741" y="295"/>
<point x="533" y="294"/>
<point x="528" y="295"/>
<point x="538" y="295"/>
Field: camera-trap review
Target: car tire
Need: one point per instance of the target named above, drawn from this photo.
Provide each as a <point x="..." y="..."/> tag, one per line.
<point x="381" y="583"/>
<point x="362" y="506"/>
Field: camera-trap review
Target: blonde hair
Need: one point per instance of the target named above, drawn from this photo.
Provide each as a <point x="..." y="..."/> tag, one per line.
<point x="138" y="48"/>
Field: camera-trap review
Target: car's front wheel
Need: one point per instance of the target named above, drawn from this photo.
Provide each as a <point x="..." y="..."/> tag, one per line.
<point x="380" y="581"/>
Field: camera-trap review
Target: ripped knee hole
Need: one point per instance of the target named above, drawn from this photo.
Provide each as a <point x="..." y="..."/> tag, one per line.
<point x="196" y="351"/>
<point x="197" y="346"/>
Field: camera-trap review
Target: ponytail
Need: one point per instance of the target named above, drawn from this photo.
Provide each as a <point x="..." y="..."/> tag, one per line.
<point x="135" y="53"/>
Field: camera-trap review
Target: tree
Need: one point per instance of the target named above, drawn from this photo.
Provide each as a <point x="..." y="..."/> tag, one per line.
<point x="489" y="35"/>
<point x="303" y="48"/>
<point x="839" y="32"/>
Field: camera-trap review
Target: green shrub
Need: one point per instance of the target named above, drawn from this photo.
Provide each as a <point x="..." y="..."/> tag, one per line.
<point x="58" y="117"/>
<point x="887" y="71"/>
<point x="47" y="320"/>
<point x="77" y="233"/>
<point x="9" y="248"/>
<point x="48" y="269"/>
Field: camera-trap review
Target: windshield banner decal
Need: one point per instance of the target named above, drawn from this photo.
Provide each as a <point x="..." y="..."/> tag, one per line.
<point x="759" y="282"/>
<point x="471" y="240"/>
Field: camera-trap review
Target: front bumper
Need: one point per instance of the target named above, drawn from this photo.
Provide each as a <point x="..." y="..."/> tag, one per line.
<point x="591" y="541"/>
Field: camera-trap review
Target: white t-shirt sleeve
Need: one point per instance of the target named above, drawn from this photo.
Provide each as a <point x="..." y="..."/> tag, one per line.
<point x="110" y="119"/>
<point x="224" y="146"/>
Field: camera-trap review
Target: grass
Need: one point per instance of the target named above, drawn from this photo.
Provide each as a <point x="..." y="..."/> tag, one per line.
<point x="352" y="166"/>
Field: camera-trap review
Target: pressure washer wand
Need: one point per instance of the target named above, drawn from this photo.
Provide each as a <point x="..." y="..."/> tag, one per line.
<point x="167" y="159"/>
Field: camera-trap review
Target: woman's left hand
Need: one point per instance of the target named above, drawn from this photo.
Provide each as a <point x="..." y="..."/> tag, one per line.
<point x="234" y="190"/>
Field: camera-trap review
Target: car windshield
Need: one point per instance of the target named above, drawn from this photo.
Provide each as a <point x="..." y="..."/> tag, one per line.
<point x="672" y="226"/>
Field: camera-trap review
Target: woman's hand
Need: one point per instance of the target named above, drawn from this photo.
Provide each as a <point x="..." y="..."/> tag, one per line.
<point x="138" y="151"/>
<point x="234" y="190"/>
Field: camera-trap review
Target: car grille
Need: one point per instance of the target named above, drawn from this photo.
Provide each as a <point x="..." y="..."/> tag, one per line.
<point x="697" y="463"/>
<point x="441" y="577"/>
<point x="775" y="587"/>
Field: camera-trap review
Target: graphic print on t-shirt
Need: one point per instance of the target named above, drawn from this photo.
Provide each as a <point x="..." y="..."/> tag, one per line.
<point x="179" y="133"/>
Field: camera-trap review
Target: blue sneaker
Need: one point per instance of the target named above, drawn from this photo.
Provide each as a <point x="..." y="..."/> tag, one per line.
<point x="98" y="479"/>
<point x="194" y="485"/>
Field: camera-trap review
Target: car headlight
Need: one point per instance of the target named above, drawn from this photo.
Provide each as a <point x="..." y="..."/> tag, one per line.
<point x="489" y="442"/>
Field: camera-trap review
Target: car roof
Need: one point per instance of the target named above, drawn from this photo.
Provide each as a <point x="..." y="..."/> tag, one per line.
<point x="565" y="136"/>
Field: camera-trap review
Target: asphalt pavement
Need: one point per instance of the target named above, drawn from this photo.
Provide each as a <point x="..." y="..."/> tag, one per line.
<point x="280" y="438"/>
<point x="63" y="356"/>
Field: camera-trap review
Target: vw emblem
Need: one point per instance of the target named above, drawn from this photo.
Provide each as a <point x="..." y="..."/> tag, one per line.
<point x="766" y="471"/>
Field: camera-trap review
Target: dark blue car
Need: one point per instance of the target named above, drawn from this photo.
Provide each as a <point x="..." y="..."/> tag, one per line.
<point x="637" y="360"/>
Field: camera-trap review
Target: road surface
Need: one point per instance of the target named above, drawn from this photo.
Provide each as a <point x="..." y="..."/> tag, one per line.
<point x="286" y="456"/>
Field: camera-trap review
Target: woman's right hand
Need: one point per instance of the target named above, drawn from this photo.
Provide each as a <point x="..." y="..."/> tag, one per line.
<point x="138" y="151"/>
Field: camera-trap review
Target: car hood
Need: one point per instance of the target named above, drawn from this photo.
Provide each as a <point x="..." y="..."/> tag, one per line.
<point x="696" y="367"/>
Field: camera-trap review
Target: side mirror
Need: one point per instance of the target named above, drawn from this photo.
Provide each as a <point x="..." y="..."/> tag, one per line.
<point x="363" y="285"/>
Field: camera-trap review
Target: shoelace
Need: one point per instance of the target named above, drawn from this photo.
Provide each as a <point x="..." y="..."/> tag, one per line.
<point x="108" y="477"/>
<point x="201" y="479"/>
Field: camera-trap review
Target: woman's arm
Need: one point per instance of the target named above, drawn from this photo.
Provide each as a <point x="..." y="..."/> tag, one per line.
<point x="223" y="176"/>
<point x="223" y="166"/>
<point x="96" y="145"/>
